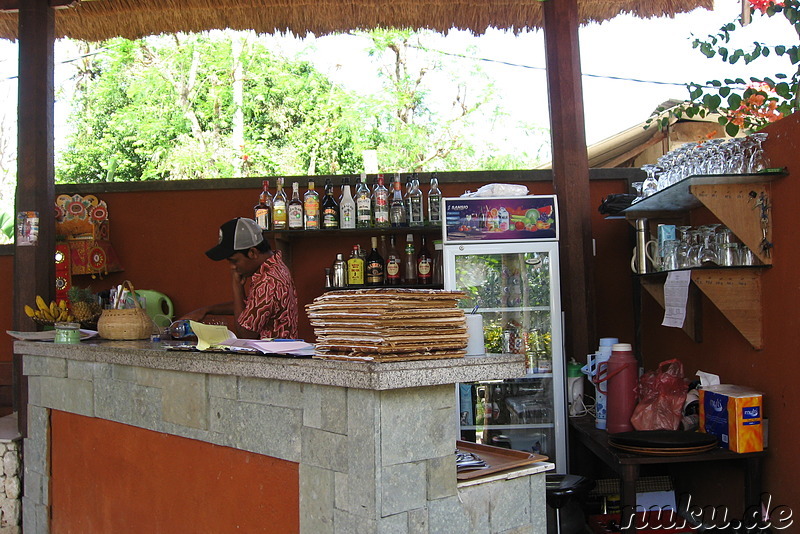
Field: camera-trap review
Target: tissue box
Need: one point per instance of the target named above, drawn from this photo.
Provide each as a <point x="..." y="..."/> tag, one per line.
<point x="734" y="415"/>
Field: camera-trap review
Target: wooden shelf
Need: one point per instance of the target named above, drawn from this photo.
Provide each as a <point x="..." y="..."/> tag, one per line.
<point x="735" y="291"/>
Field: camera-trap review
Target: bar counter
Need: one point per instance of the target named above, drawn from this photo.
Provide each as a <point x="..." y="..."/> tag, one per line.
<point x="130" y="437"/>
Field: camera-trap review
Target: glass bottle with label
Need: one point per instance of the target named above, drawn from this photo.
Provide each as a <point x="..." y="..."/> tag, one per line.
<point x="397" y="208"/>
<point x="409" y="261"/>
<point x="347" y="206"/>
<point x="424" y="264"/>
<point x="295" y="209"/>
<point x="416" y="216"/>
<point x="393" y="261"/>
<point x="406" y="191"/>
<point x="330" y="209"/>
<point x="355" y="268"/>
<point x="263" y="210"/>
<point x="434" y="201"/>
<point x="279" y="221"/>
<point x="374" y="265"/>
<point x="363" y="203"/>
<point x="380" y="204"/>
<point x="311" y="208"/>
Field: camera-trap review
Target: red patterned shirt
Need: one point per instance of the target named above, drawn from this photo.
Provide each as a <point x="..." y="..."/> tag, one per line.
<point x="271" y="305"/>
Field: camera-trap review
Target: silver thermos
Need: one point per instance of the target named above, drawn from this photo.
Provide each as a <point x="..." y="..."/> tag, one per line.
<point x="339" y="272"/>
<point x="641" y="246"/>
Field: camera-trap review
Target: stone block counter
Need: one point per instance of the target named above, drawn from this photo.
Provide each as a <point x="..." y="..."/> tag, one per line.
<point x="128" y="437"/>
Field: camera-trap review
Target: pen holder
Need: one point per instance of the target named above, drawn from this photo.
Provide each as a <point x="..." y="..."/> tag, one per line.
<point x="127" y="324"/>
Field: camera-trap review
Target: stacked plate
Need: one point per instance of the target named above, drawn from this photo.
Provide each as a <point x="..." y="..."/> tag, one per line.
<point x="388" y="324"/>
<point x="663" y="442"/>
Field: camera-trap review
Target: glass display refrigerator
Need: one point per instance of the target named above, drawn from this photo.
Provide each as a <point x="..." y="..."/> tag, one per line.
<point x="503" y="254"/>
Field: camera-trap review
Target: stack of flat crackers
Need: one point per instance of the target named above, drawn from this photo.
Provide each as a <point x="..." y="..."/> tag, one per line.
<point x="383" y="324"/>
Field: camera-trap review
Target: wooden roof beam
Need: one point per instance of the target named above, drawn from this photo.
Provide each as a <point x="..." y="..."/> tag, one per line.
<point x="12" y="6"/>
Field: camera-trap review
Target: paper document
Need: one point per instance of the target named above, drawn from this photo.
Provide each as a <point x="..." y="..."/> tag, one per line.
<point x="297" y="347"/>
<point x="676" y="293"/>
<point x="209" y="334"/>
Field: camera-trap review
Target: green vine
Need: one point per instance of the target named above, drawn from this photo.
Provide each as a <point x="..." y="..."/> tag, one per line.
<point x="751" y="104"/>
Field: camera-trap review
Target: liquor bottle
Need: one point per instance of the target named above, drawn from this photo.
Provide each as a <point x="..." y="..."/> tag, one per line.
<point x="406" y="190"/>
<point x="393" y="261"/>
<point x="295" y="210"/>
<point x="347" y="206"/>
<point x="263" y="210"/>
<point x="311" y="208"/>
<point x="330" y="209"/>
<point x="355" y="268"/>
<point x="434" y="201"/>
<point x="380" y="204"/>
<point x="438" y="263"/>
<point x="397" y="208"/>
<point x="415" y="209"/>
<point x="374" y="266"/>
<point x="424" y="265"/>
<point x="410" y="261"/>
<point x="383" y="247"/>
<point x="279" y="208"/>
<point x="363" y="203"/>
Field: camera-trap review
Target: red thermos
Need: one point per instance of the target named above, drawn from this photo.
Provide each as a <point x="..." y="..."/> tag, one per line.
<point x="623" y="378"/>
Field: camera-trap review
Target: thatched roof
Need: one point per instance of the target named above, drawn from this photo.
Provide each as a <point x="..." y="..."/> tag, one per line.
<point x="96" y="20"/>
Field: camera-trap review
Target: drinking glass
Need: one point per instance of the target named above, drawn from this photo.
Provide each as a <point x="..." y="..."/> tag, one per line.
<point x="684" y="247"/>
<point x="650" y="185"/>
<point x="637" y="187"/>
<point x="756" y="162"/>
<point x="708" y="250"/>
<point x="693" y="258"/>
<point x="669" y="255"/>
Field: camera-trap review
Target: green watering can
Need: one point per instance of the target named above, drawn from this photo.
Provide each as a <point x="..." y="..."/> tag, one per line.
<point x="158" y="306"/>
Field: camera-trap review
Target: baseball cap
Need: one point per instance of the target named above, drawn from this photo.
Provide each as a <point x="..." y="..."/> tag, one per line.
<point x="236" y="235"/>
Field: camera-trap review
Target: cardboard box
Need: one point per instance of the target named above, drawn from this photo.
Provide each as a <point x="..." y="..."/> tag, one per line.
<point x="734" y="415"/>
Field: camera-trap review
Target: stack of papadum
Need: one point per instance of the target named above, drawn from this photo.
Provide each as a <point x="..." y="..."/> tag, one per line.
<point x="384" y="324"/>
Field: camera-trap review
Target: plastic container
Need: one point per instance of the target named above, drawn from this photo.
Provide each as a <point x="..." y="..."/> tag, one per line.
<point x="591" y="371"/>
<point x="67" y="333"/>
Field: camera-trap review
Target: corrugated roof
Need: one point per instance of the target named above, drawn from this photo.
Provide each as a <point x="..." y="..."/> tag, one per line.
<point x="97" y="20"/>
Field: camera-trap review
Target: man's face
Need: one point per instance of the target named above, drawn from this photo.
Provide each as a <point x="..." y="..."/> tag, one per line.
<point x="244" y="264"/>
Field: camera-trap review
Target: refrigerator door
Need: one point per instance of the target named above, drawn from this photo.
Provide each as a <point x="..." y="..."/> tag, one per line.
<point x="515" y="286"/>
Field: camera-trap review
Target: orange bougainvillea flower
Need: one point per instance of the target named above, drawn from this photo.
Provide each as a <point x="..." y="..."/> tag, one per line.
<point x="763" y="5"/>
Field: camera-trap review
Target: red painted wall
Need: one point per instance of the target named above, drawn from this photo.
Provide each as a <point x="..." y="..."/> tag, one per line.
<point x="775" y="369"/>
<point x="109" y="477"/>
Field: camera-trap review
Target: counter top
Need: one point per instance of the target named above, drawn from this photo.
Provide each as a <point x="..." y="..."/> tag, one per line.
<point x="356" y="374"/>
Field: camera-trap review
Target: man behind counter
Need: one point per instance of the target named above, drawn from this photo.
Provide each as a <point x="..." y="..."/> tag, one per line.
<point x="269" y="309"/>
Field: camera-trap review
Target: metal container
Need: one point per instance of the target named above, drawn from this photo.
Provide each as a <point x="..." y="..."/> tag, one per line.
<point x="339" y="272"/>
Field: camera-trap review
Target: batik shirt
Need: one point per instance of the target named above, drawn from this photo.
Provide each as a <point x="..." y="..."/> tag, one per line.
<point x="270" y="308"/>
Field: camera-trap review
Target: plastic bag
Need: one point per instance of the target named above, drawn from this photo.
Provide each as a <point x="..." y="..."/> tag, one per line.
<point x="499" y="190"/>
<point x="662" y="394"/>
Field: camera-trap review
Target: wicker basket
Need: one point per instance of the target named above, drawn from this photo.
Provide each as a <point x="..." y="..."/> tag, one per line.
<point x="132" y="323"/>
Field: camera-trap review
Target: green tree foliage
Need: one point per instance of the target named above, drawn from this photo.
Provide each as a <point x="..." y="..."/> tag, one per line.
<point x="741" y="104"/>
<point x="168" y="107"/>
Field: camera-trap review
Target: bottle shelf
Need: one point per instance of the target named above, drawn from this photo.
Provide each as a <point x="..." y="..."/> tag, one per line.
<point x="508" y="426"/>
<point x="301" y="233"/>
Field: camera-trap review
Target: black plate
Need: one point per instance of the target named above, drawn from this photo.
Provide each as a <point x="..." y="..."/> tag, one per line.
<point x="662" y="439"/>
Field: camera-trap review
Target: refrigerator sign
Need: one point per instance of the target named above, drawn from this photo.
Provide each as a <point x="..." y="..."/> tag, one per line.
<point x="500" y="219"/>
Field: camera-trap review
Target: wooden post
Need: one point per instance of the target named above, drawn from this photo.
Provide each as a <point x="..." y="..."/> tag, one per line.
<point x="34" y="266"/>
<point x="570" y="173"/>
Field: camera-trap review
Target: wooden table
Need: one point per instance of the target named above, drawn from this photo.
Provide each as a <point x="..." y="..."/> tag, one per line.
<point x="626" y="464"/>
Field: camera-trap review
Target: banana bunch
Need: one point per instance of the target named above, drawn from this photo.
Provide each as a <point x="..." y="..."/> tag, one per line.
<point x="55" y="311"/>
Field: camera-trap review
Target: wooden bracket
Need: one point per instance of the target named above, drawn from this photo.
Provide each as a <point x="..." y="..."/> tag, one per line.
<point x="692" y="324"/>
<point x="733" y="205"/>
<point x="737" y="294"/>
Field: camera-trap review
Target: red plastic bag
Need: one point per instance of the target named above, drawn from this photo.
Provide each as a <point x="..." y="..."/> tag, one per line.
<point x="662" y="394"/>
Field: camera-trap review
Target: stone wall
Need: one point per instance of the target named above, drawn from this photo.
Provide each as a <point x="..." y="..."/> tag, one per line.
<point x="10" y="486"/>
<point x="370" y="461"/>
